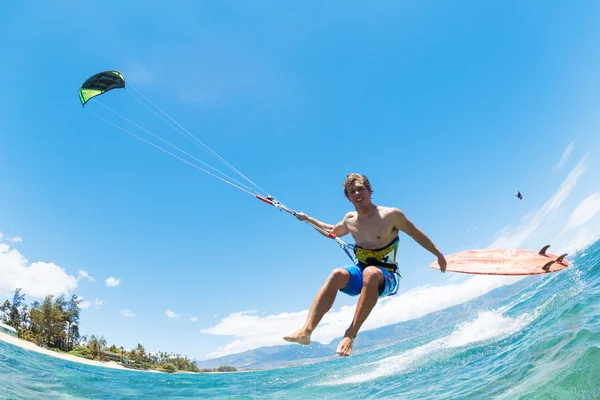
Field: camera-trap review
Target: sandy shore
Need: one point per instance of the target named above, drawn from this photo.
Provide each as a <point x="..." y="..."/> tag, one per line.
<point x="30" y="346"/>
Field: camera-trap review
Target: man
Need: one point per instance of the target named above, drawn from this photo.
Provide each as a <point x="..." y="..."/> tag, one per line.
<point x="375" y="231"/>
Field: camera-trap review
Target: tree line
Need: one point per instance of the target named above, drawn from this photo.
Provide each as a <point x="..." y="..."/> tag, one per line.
<point x="54" y="324"/>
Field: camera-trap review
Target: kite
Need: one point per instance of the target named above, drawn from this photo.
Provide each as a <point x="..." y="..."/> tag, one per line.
<point x="99" y="84"/>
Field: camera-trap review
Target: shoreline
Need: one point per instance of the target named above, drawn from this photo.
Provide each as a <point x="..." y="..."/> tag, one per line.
<point x="24" y="344"/>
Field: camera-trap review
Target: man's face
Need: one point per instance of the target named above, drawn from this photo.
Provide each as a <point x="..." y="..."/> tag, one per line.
<point x="358" y="194"/>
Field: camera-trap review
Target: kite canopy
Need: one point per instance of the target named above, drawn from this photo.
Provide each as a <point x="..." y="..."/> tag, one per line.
<point x="99" y="84"/>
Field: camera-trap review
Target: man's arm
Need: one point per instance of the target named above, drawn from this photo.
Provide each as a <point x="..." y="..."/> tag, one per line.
<point x="339" y="229"/>
<point x="405" y="225"/>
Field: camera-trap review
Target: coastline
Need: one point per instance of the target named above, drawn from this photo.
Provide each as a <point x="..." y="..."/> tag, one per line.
<point x="24" y="344"/>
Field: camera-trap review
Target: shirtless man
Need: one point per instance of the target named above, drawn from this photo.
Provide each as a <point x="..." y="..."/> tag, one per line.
<point x="375" y="231"/>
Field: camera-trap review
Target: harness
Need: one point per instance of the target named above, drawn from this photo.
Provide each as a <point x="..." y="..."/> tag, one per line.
<point x="384" y="257"/>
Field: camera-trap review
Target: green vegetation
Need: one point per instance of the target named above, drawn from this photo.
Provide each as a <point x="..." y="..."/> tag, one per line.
<point x="54" y="324"/>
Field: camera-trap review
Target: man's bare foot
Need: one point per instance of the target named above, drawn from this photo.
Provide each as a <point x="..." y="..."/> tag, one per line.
<point x="345" y="347"/>
<point x="300" y="336"/>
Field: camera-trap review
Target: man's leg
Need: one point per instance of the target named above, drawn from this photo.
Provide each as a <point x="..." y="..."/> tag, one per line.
<point x="338" y="279"/>
<point x="372" y="280"/>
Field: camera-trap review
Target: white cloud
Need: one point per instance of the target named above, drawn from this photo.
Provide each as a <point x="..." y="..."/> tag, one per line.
<point x="84" y="305"/>
<point x="253" y="331"/>
<point x="533" y="223"/>
<point x="564" y="157"/>
<point x="15" y="239"/>
<point x="582" y="239"/>
<point x="100" y="302"/>
<point x="112" y="282"/>
<point x="139" y="74"/>
<point x="585" y="211"/>
<point x="194" y="319"/>
<point x="171" y="314"/>
<point x="127" y="313"/>
<point x="82" y="274"/>
<point x="37" y="279"/>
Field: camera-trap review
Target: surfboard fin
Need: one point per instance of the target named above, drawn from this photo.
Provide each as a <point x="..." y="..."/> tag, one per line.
<point x="548" y="265"/>
<point x="543" y="250"/>
<point x="561" y="258"/>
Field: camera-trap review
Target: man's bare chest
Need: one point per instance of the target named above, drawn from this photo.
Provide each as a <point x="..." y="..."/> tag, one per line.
<point x="372" y="233"/>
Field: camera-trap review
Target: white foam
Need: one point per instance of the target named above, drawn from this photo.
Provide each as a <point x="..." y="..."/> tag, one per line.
<point x="489" y="326"/>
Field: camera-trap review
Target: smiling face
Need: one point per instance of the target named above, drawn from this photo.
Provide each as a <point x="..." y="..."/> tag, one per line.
<point x="358" y="190"/>
<point x="359" y="195"/>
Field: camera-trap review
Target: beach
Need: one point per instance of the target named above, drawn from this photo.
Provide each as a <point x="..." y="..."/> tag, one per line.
<point x="33" y="347"/>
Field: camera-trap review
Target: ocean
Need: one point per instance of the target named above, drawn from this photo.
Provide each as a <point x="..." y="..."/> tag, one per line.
<point x="542" y="343"/>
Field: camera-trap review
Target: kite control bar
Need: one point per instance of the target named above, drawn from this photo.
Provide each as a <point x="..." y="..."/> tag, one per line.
<point x="275" y="203"/>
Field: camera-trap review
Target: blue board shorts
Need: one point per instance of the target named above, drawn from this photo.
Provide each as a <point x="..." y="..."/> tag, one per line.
<point x="355" y="283"/>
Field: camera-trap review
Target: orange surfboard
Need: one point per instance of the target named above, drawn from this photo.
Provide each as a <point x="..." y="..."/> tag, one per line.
<point x="504" y="262"/>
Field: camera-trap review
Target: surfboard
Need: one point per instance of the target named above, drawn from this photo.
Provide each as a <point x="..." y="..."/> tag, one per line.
<point x="504" y="262"/>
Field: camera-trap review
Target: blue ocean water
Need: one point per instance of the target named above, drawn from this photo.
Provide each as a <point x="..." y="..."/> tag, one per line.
<point x="543" y="343"/>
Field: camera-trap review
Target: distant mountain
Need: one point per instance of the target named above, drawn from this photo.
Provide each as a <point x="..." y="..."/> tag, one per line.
<point x="286" y="355"/>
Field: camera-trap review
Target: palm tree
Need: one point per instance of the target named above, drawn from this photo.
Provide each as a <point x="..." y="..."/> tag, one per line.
<point x="71" y="317"/>
<point x="25" y="317"/>
<point x="45" y="321"/>
<point x="141" y="351"/>
<point x="4" y="308"/>
<point x="14" y="315"/>
<point x="58" y="323"/>
<point x="96" y="346"/>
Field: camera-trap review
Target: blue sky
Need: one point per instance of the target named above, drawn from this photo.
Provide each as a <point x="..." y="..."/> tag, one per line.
<point x="447" y="107"/>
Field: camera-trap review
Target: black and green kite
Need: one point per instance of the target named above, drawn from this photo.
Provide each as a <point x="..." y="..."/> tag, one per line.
<point x="99" y="84"/>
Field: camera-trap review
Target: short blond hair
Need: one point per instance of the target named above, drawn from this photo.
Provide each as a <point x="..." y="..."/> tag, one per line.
<point x="353" y="177"/>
